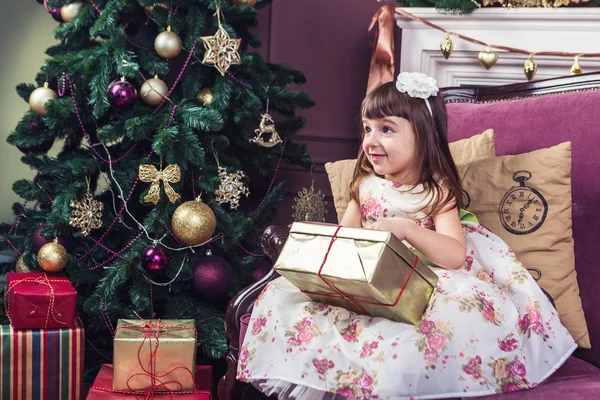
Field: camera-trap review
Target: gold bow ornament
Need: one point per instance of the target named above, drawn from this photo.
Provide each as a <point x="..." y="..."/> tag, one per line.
<point x="171" y="174"/>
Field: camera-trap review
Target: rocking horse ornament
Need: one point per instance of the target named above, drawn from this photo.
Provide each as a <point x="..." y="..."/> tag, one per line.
<point x="267" y="125"/>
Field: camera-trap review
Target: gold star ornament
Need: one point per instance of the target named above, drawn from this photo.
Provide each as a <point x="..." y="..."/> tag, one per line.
<point x="221" y="50"/>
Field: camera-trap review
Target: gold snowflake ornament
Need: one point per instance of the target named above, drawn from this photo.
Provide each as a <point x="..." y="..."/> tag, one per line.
<point x="231" y="188"/>
<point x="86" y="214"/>
<point x="221" y="50"/>
<point x="309" y="205"/>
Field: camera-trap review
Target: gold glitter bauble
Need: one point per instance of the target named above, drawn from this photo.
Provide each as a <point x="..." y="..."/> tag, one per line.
<point x="205" y="96"/>
<point x="20" y="265"/>
<point x="530" y="68"/>
<point x="70" y="11"/>
<point x="193" y="223"/>
<point x="52" y="257"/>
<point x="249" y="3"/>
<point x="153" y="91"/>
<point x="39" y="97"/>
<point x="446" y="46"/>
<point x="168" y="44"/>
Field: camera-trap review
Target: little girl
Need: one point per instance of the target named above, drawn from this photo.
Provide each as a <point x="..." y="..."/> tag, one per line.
<point x="488" y="328"/>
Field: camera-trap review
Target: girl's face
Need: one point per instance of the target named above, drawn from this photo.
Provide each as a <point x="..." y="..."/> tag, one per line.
<point x="390" y="145"/>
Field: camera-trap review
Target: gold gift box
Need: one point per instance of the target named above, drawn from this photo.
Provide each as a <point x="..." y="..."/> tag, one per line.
<point x="175" y="360"/>
<point x="372" y="267"/>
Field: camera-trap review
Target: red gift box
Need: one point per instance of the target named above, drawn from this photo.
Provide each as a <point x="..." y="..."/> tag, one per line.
<point x="36" y="300"/>
<point x="102" y="387"/>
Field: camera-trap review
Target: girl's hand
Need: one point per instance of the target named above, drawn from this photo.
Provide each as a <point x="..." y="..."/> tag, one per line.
<point x="399" y="227"/>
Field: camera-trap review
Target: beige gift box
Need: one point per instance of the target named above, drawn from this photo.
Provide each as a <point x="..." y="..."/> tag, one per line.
<point x="368" y="271"/>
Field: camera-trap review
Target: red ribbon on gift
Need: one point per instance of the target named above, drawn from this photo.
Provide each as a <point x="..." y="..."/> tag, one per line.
<point x="44" y="281"/>
<point x="152" y="330"/>
<point x="349" y="298"/>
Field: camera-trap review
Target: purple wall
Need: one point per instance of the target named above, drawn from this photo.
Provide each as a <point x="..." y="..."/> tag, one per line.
<point x="327" y="40"/>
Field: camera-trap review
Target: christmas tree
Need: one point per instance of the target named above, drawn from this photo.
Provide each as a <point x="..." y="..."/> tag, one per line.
<point x="172" y="131"/>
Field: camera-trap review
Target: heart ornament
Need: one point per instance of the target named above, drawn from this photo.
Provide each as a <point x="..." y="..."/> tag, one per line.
<point x="487" y="58"/>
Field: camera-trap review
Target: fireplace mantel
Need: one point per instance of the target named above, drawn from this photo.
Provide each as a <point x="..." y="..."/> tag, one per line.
<point x="533" y="29"/>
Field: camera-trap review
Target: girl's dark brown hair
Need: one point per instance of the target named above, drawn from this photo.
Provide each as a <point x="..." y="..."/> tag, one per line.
<point x="434" y="161"/>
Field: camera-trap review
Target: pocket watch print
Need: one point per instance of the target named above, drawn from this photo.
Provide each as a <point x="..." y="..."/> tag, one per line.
<point x="523" y="209"/>
<point x="466" y="197"/>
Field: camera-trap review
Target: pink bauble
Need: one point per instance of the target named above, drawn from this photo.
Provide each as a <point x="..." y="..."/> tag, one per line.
<point x="122" y="94"/>
<point x="37" y="240"/>
<point x="154" y="259"/>
<point x="213" y="277"/>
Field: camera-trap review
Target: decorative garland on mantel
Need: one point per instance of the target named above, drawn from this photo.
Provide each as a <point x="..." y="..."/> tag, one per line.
<point x="382" y="62"/>
<point x="467" y="6"/>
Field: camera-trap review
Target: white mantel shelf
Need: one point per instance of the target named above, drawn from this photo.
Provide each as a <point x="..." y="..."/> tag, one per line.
<point x="532" y="29"/>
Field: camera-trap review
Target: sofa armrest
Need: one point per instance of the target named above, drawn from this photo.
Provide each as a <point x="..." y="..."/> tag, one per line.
<point x="272" y="242"/>
<point x="273" y="239"/>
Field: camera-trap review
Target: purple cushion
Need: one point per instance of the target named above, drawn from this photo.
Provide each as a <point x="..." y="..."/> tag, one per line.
<point x="575" y="367"/>
<point x="244" y="321"/>
<point x="525" y="125"/>
<point x="575" y="379"/>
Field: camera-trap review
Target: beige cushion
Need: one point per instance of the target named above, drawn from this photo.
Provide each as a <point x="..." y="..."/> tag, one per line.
<point x="526" y="200"/>
<point x="463" y="151"/>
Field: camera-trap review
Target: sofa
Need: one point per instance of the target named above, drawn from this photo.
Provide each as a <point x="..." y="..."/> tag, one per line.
<point x="550" y="112"/>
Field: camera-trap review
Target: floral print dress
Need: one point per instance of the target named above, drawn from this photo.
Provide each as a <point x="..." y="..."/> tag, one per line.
<point x="488" y="328"/>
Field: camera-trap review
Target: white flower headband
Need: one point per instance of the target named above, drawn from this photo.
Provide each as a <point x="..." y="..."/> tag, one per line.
<point x="417" y="85"/>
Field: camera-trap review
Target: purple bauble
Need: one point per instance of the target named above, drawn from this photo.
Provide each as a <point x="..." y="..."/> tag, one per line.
<point x="122" y="94"/>
<point x="154" y="259"/>
<point x="213" y="277"/>
<point x="262" y="270"/>
<point x="37" y="240"/>
<point x="55" y="12"/>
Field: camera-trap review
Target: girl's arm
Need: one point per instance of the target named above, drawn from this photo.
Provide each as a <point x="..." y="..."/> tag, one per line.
<point x="352" y="217"/>
<point x="445" y="246"/>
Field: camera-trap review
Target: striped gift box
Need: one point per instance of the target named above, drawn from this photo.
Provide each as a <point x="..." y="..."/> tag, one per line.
<point x="41" y="364"/>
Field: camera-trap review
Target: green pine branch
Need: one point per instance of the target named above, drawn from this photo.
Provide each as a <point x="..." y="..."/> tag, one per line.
<point x="96" y="49"/>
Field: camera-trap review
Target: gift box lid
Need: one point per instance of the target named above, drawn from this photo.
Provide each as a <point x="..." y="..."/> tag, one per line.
<point x="27" y="283"/>
<point x="168" y="329"/>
